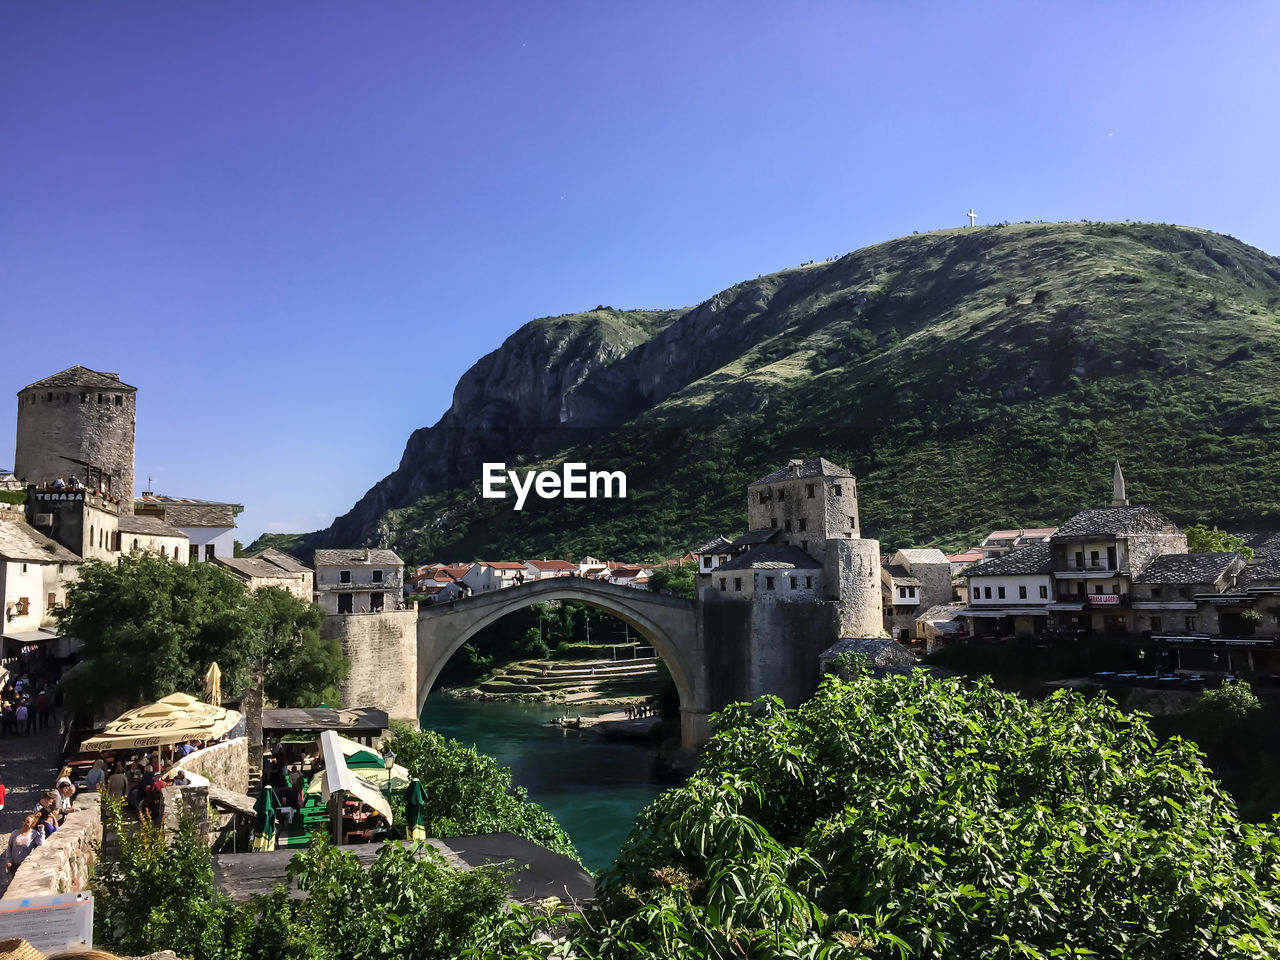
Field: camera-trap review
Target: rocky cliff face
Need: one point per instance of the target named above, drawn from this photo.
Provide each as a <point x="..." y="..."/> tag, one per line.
<point x="961" y="374"/>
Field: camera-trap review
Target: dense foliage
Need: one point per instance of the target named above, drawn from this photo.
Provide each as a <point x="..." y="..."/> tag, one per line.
<point x="970" y="378"/>
<point x="1202" y="539"/>
<point x="151" y="626"/>
<point x="151" y="897"/>
<point x="469" y="792"/>
<point x="910" y="817"/>
<point x="679" y="581"/>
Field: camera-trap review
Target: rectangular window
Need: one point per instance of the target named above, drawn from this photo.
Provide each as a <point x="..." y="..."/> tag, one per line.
<point x="1044" y="593"/>
<point x="1000" y="592"/>
<point x="1155" y="593"/>
<point x="99" y="398"/>
<point x="706" y="562"/>
<point x="808" y="583"/>
<point x="344" y="603"/>
<point x="1155" y="624"/>
<point x="768" y="583"/>
<point x="793" y="583"/>
<point x="737" y="584"/>
<point x="804" y="545"/>
<point x="377" y="576"/>
<point x="724" y="584"/>
<point x="208" y="551"/>
<point x="808" y="490"/>
<point x="194" y="555"/>
<point x="24" y="568"/>
<point x="53" y="600"/>
<point x="786" y="525"/>
<point x="1022" y="593"/>
<point x="902" y="592"/>
<point x="375" y="602"/>
<point x="988" y="593"/>
<point x="344" y="576"/>
<point x="804" y="524"/>
<point x="1189" y="623"/>
<point x="782" y="494"/>
<point x="119" y="400"/>
<point x="837" y="490"/>
<point x="773" y="522"/>
<point x="1094" y="561"/>
<point x="764" y="496"/>
<point x="1079" y="559"/>
<point x="1097" y="588"/>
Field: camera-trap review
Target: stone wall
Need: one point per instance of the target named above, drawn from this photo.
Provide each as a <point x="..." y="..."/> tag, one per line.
<point x="383" y="651"/>
<point x="853" y="579"/>
<point x="62" y="863"/>
<point x="224" y="764"/>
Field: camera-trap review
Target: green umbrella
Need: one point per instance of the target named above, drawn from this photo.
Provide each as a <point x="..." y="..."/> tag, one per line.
<point x="264" y="820"/>
<point x="415" y="807"/>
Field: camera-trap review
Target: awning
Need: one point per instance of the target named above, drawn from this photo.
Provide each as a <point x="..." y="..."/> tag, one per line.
<point x="360" y="788"/>
<point x="173" y="719"/>
<point x="31" y="636"/>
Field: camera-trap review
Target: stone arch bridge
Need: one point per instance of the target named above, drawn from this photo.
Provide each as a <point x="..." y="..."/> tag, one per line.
<point x="670" y="624"/>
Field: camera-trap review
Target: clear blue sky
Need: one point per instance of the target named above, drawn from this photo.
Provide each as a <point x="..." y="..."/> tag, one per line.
<point x="294" y="225"/>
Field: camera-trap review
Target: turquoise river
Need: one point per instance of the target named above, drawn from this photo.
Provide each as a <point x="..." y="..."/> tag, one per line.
<point x="594" y="787"/>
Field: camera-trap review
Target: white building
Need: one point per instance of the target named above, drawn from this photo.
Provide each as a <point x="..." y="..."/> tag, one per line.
<point x="34" y="574"/>
<point x="209" y="526"/>
<point x="152" y="535"/>
<point x="543" y="569"/>
<point x="710" y="555"/>
<point x="1011" y="594"/>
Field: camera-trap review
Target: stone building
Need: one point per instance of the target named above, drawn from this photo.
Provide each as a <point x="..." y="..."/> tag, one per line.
<point x="771" y="573"/>
<point x="997" y="543"/>
<point x="86" y="522"/>
<point x="363" y="580"/>
<point x="78" y="423"/>
<point x="913" y="580"/>
<point x="1176" y="593"/>
<point x="808" y="502"/>
<point x="277" y="570"/>
<point x="152" y="535"/>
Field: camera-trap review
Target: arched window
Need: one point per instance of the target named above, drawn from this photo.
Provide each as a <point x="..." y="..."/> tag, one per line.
<point x="135" y="543"/>
<point x="91" y="536"/>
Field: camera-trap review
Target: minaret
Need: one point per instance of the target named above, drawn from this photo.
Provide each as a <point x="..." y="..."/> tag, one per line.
<point x="1118" y="499"/>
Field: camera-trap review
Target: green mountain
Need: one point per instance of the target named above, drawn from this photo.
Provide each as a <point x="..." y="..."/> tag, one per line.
<point x="969" y="378"/>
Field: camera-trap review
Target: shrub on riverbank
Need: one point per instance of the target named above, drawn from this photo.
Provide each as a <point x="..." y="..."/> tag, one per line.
<point x="916" y="818"/>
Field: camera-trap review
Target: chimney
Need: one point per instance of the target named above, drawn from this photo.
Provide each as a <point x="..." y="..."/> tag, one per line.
<point x="794" y="466"/>
<point x="368" y="555"/>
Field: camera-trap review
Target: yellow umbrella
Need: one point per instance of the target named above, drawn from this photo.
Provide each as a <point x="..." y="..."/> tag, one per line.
<point x="213" y="684"/>
<point x="173" y="719"/>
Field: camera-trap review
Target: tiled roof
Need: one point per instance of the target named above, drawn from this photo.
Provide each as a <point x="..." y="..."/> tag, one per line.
<point x="628" y="572"/>
<point x="79" y="376"/>
<point x="1187" y="568"/>
<point x="772" y="556"/>
<point x="1262" y="542"/>
<point x="283" y="560"/>
<point x="503" y="565"/>
<point x="19" y="541"/>
<point x="752" y="537"/>
<point x="355" y="556"/>
<point x="969" y="556"/>
<point x="943" y="611"/>
<point x="552" y="565"/>
<point x="1036" y="558"/>
<point x="718" y="545"/>
<point x="813" y="467"/>
<point x="900" y="574"/>
<point x="923" y="555"/>
<point x="1115" y="521"/>
<point x="256" y="568"/>
<point x="149" y="526"/>
<point x="1264" y="572"/>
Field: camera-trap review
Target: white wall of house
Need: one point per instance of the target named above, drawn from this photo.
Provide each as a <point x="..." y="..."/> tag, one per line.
<point x="1034" y="584"/>
<point x="222" y="539"/>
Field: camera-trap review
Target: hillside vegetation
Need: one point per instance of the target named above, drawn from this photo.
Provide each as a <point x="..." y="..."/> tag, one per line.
<point x="970" y="378"/>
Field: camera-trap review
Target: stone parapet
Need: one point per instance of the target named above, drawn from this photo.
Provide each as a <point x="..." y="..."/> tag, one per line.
<point x="224" y="764"/>
<point x="383" y="651"/>
<point x="63" y="862"/>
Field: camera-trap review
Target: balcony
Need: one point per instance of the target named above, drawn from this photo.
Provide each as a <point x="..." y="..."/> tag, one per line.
<point x="1091" y="572"/>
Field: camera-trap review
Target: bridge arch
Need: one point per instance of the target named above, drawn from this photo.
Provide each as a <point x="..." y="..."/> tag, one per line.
<point x="668" y="623"/>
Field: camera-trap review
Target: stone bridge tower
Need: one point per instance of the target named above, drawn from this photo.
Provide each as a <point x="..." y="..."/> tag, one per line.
<point x="78" y="423"/>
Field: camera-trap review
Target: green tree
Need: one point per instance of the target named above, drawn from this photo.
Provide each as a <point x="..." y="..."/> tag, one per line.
<point x="681" y="581"/>
<point x="1200" y="539"/>
<point x="915" y="818"/>
<point x="300" y="667"/>
<point x="469" y="792"/>
<point x="151" y="626"/>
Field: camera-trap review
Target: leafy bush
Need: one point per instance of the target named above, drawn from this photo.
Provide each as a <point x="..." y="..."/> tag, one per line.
<point x="910" y="817"/>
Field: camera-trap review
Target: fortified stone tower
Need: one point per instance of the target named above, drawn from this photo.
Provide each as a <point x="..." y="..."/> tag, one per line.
<point x="78" y="423"/>
<point x="809" y="502"/>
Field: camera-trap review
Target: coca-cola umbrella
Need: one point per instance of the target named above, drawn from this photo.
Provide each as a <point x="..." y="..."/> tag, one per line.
<point x="172" y="719"/>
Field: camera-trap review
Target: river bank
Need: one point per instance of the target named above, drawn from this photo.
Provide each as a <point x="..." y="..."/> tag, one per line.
<point x="577" y="683"/>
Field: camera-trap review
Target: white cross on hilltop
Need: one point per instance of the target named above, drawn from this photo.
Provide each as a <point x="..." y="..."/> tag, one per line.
<point x="972" y="216"/>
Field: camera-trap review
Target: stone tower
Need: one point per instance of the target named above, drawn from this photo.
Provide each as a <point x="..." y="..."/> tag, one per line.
<point x="78" y="423"/>
<point x="809" y="503"/>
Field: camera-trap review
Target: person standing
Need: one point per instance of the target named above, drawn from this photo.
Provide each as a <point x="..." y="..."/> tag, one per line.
<point x="20" y="717"/>
<point x="21" y="842"/>
<point x="118" y="782"/>
<point x="97" y="776"/>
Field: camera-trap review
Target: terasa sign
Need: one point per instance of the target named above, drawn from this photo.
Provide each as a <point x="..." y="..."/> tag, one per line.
<point x="573" y="482"/>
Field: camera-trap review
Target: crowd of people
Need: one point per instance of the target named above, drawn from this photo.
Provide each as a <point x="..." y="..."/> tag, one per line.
<point x="26" y="706"/>
<point x="640" y="711"/>
<point x="44" y="819"/>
